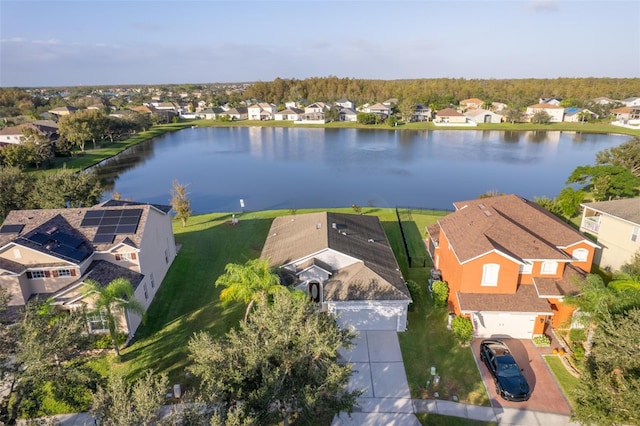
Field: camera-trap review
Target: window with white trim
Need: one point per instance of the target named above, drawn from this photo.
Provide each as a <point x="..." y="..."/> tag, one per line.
<point x="526" y="269"/>
<point x="490" y="273"/>
<point x="37" y="274"/>
<point x="580" y="254"/>
<point x="64" y="272"/>
<point x="634" y="233"/>
<point x="549" y="268"/>
<point x="146" y="293"/>
<point x="97" y="321"/>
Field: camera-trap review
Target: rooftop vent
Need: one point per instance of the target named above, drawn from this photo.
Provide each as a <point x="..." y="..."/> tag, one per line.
<point x="371" y="240"/>
<point x="318" y="225"/>
<point x="487" y="213"/>
<point x="334" y="225"/>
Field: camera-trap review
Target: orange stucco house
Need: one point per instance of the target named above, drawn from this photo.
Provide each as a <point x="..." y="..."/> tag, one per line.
<point x="509" y="264"/>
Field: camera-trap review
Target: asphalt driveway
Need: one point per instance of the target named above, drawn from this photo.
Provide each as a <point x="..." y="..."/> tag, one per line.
<point x="546" y="395"/>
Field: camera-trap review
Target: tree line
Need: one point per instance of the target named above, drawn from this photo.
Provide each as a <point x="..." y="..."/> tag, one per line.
<point x="444" y="91"/>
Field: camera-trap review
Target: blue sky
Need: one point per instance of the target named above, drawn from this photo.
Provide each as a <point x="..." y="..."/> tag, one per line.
<point x="90" y="42"/>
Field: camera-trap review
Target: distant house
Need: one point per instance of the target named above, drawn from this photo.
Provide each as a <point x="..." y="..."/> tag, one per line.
<point x="604" y="101"/>
<point x="575" y="115"/>
<point x="471" y="103"/>
<point x="421" y="113"/>
<point x="556" y="113"/>
<point x="346" y="103"/>
<point x="345" y="264"/>
<point x="63" y="110"/>
<point x="315" y="112"/>
<point x="289" y="114"/>
<point x="239" y="113"/>
<point x="631" y="102"/>
<point x="616" y="225"/>
<point x="550" y="101"/>
<point x="262" y="111"/>
<point x="210" y="113"/>
<point x="482" y="116"/>
<point x="509" y="265"/>
<point x="380" y="109"/>
<point x="13" y="135"/>
<point x="498" y="106"/>
<point x="52" y="253"/>
<point x="449" y="116"/>
<point x="626" y="113"/>
<point x="390" y="102"/>
<point x="348" y="114"/>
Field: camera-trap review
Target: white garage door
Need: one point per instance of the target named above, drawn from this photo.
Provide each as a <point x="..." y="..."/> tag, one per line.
<point x="493" y="324"/>
<point x="367" y="319"/>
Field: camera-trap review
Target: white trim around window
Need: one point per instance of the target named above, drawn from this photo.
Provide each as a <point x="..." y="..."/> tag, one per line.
<point x="490" y="272"/>
<point x="549" y="267"/>
<point x="526" y="268"/>
<point x="580" y="254"/>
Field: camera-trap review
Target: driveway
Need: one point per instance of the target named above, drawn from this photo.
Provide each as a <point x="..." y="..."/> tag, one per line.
<point x="546" y="395"/>
<point x="379" y="372"/>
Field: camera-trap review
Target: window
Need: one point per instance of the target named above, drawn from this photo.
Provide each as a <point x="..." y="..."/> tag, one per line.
<point x="166" y="255"/>
<point x="527" y="268"/>
<point x="97" y="321"/>
<point x="37" y="274"/>
<point x="17" y="254"/>
<point x="634" y="233"/>
<point x="146" y="294"/>
<point x="581" y="254"/>
<point x="64" y="272"/>
<point x="153" y="283"/>
<point x="549" y="268"/>
<point x="490" y="273"/>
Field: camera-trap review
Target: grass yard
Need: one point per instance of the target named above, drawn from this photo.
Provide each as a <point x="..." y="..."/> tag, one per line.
<point x="568" y="382"/>
<point x="188" y="302"/>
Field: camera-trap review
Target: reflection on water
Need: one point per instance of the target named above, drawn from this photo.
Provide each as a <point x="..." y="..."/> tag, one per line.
<point x="299" y="168"/>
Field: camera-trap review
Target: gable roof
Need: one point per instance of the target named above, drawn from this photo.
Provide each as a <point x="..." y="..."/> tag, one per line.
<point x="359" y="236"/>
<point x="448" y="112"/>
<point x="507" y="224"/>
<point x="544" y="106"/>
<point x="627" y="209"/>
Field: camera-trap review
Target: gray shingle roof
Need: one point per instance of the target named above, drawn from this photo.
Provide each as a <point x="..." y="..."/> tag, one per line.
<point x="627" y="209"/>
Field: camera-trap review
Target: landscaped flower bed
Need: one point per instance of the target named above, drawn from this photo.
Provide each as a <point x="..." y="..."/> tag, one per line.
<point x="541" y="340"/>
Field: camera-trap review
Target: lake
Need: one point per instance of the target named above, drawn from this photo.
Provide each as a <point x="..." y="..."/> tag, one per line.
<point x="283" y="168"/>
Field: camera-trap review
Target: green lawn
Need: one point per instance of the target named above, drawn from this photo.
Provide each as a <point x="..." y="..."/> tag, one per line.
<point x="188" y="302"/>
<point x="568" y="382"/>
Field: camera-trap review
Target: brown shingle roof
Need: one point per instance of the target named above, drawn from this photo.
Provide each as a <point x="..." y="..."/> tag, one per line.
<point x="448" y="112"/>
<point x="509" y="224"/>
<point x="627" y="209"/>
<point x="544" y="106"/>
<point x="525" y="299"/>
<point x="553" y="287"/>
<point x="298" y="236"/>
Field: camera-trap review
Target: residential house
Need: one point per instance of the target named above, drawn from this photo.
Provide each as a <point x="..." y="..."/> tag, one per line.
<point x="421" y="113"/>
<point x="471" y="103"/>
<point x="348" y="114"/>
<point x="626" y="113"/>
<point x="575" y="115"/>
<point x="498" y="106"/>
<point x="345" y="103"/>
<point x="289" y="114"/>
<point x="604" y="101"/>
<point x="556" y="113"/>
<point x="550" y="101"/>
<point x="51" y="253"/>
<point x="14" y="134"/>
<point x="482" y="116"/>
<point x="210" y="113"/>
<point x="450" y="116"/>
<point x="509" y="265"/>
<point x="390" y="102"/>
<point x="616" y="225"/>
<point x="63" y="110"/>
<point x="315" y="112"/>
<point x="262" y="111"/>
<point x="239" y="113"/>
<point x="631" y="102"/>
<point x="380" y="109"/>
<point x="345" y="264"/>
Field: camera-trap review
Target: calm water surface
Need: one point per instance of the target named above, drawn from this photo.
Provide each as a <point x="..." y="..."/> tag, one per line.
<point x="277" y="168"/>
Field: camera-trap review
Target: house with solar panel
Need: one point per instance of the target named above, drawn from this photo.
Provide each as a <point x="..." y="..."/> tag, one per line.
<point x="51" y="253"/>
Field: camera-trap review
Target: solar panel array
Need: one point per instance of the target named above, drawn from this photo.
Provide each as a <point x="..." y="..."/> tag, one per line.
<point x="112" y="222"/>
<point x="11" y="229"/>
<point x="60" y="243"/>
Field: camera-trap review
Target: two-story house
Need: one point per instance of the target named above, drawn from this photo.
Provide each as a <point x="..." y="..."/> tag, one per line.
<point x="509" y="264"/>
<point x="262" y="111"/>
<point x="51" y="253"/>
<point x="616" y="225"/>
<point x="556" y="113"/>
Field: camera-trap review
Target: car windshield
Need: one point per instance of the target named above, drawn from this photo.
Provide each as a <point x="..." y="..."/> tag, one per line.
<point x="508" y="370"/>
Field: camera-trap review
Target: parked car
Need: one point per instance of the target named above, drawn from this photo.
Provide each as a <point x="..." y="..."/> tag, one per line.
<point x="510" y="382"/>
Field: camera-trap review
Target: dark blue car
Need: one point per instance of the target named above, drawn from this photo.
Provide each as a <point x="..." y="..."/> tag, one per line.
<point x="510" y="382"/>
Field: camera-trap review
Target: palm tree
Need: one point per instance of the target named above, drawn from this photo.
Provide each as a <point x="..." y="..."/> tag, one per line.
<point x="246" y="283"/>
<point x="115" y="296"/>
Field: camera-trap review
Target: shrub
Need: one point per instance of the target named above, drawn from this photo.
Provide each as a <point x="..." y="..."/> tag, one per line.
<point x="578" y="352"/>
<point x="414" y="290"/>
<point x="541" y="340"/>
<point x="462" y="329"/>
<point x="577" y="335"/>
<point x="103" y="341"/>
<point x="440" y="293"/>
